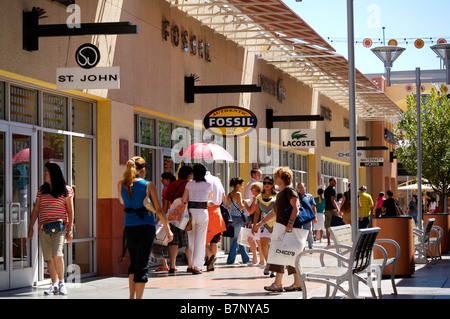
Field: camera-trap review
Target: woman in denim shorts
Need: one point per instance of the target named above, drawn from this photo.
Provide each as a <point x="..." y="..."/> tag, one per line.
<point x="54" y="208"/>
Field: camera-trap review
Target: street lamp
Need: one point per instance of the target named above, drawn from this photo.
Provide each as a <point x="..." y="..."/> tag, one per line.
<point x="388" y="54"/>
<point x="443" y="51"/>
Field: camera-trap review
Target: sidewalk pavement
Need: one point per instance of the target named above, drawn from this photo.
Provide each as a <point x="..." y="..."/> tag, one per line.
<point x="234" y="282"/>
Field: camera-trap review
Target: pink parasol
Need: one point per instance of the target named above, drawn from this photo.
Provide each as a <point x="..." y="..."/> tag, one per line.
<point x="207" y="151"/>
<point x="24" y="155"/>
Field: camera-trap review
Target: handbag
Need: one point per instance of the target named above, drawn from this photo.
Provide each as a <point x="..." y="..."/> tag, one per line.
<point x="149" y="204"/>
<point x="305" y="214"/>
<point x="229" y="232"/>
<point x="346" y="207"/>
<point x="178" y="214"/>
<point x="285" y="247"/>
<point x="53" y="227"/>
<point x="161" y="237"/>
<point x="336" y="221"/>
<point x="226" y="215"/>
<point x="189" y="224"/>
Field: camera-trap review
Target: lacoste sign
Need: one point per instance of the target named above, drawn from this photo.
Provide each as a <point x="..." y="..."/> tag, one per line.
<point x="300" y="138"/>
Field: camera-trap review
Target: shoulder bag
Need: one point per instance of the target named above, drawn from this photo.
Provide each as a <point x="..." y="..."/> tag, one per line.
<point x="305" y="214"/>
<point x="148" y="203"/>
<point x="346" y="207"/>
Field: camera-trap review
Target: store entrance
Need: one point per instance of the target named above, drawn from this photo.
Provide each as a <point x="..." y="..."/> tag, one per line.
<point x="18" y="174"/>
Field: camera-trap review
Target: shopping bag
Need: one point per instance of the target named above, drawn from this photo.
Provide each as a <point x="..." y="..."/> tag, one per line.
<point x="161" y="237"/>
<point x="243" y="236"/>
<point x="178" y="214"/>
<point x="285" y="247"/>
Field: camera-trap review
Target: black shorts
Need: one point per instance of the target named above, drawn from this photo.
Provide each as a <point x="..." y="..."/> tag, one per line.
<point x="216" y="238"/>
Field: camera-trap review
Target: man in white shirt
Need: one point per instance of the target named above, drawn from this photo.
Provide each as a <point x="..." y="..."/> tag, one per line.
<point x="255" y="177"/>
<point x="216" y="224"/>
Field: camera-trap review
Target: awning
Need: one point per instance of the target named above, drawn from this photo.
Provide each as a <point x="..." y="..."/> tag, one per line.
<point x="273" y="32"/>
<point x="415" y="187"/>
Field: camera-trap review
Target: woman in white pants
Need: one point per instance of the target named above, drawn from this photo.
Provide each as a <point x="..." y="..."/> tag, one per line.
<point x="198" y="194"/>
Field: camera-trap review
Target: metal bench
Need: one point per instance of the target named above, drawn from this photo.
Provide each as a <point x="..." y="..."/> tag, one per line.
<point x="423" y="242"/>
<point x="343" y="235"/>
<point x="353" y="263"/>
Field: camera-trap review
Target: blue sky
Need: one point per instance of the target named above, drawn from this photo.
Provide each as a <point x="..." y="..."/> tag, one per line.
<point x="411" y="19"/>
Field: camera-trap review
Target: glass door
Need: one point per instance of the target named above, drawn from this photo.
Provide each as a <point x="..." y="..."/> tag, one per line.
<point x="4" y="276"/>
<point x="18" y="154"/>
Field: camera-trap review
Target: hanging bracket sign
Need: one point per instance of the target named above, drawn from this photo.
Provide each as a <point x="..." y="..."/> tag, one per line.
<point x="297" y="139"/>
<point x="96" y="78"/>
<point x="371" y="161"/>
<point x="230" y="121"/>
<point x="88" y="76"/>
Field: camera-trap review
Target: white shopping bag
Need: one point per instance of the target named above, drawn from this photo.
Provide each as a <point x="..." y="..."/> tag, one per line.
<point x="178" y="214"/>
<point x="284" y="247"/>
<point x="243" y="236"/>
<point x="161" y="237"/>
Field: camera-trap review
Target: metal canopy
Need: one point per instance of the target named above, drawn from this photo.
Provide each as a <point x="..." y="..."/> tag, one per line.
<point x="274" y="33"/>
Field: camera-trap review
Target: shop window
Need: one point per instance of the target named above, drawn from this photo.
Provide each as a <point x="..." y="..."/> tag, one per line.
<point x="292" y="161"/>
<point x="23" y="105"/>
<point x="2" y="100"/>
<point x="54" y="111"/>
<point x="284" y="158"/>
<point x="82" y="182"/>
<point x="53" y="150"/>
<point x="147" y="154"/>
<point x="82" y="117"/>
<point x="164" y="134"/>
<point x="82" y="185"/>
<point x="145" y="131"/>
<point x="2" y="202"/>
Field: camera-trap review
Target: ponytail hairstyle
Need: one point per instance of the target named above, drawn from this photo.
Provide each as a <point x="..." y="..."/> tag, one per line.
<point x="134" y="166"/>
<point x="236" y="181"/>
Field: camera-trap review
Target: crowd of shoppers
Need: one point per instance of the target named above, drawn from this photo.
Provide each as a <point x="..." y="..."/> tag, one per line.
<point x="257" y="206"/>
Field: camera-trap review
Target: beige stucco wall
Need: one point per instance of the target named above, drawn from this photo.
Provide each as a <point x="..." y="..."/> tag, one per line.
<point x="152" y="75"/>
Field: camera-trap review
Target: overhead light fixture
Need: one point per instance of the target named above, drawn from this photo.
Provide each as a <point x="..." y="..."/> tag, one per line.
<point x="388" y="54"/>
<point x="443" y="51"/>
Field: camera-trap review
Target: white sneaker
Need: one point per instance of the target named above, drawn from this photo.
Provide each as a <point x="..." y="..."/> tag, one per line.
<point x="53" y="290"/>
<point x="62" y="289"/>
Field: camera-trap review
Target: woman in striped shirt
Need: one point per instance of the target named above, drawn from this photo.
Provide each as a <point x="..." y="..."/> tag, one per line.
<point x="54" y="206"/>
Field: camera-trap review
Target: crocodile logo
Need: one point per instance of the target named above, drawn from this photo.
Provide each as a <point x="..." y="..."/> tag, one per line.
<point x="298" y="135"/>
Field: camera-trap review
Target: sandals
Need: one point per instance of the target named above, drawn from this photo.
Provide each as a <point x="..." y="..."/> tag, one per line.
<point x="273" y="288"/>
<point x="161" y="269"/>
<point x="293" y="287"/>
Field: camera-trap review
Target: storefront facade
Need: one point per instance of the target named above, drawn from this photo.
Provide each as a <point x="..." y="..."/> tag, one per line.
<point x="92" y="132"/>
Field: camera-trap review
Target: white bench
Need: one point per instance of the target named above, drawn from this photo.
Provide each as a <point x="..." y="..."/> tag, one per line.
<point x="343" y="235"/>
<point x="354" y="262"/>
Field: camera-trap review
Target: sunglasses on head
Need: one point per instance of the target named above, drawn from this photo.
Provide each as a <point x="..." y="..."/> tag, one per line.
<point x="268" y="183"/>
